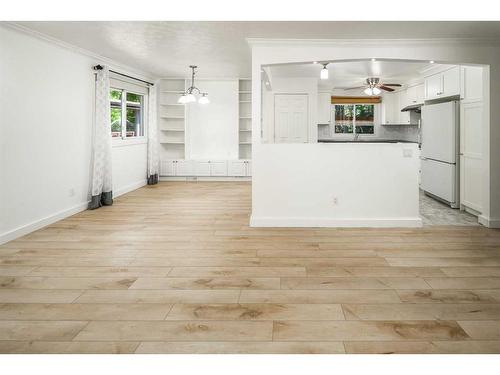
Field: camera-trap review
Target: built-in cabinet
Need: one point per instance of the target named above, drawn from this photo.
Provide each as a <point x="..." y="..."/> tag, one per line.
<point x="443" y="84"/>
<point x="395" y="101"/>
<point x="324" y="108"/>
<point x="177" y="149"/>
<point x="206" y="168"/>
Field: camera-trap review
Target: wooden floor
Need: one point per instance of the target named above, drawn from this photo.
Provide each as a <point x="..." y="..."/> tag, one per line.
<point x="175" y="268"/>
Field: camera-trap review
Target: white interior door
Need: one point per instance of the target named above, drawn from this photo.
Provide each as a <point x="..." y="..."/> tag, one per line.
<point x="290" y="118"/>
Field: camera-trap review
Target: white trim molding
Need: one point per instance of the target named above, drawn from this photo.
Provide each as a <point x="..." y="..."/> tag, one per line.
<point x="488" y="222"/>
<point x="322" y="222"/>
<point x="129" y="188"/>
<point x="35" y="225"/>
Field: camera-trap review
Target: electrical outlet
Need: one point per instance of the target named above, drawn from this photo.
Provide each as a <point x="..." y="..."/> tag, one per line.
<point x="335" y="201"/>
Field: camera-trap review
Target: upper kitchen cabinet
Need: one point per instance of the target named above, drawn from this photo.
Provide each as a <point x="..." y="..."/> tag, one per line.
<point x="443" y="84"/>
<point x="471" y="79"/>
<point x="415" y="94"/>
<point x="324" y="107"/>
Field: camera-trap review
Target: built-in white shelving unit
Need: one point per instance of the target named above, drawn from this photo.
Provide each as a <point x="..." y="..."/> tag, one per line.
<point x="245" y="119"/>
<point x="176" y="140"/>
<point x="172" y="119"/>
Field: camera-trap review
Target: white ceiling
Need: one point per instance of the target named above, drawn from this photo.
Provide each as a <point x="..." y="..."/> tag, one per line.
<point x="220" y="49"/>
<point x="354" y="73"/>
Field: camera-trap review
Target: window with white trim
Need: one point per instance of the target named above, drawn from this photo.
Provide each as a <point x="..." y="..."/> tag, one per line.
<point x="128" y="104"/>
<point x="354" y="119"/>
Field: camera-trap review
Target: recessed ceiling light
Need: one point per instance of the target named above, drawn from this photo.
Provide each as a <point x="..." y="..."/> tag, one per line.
<point x="432" y="61"/>
<point x="374" y="60"/>
<point x="315" y="62"/>
<point x="324" y="72"/>
<point x="267" y="83"/>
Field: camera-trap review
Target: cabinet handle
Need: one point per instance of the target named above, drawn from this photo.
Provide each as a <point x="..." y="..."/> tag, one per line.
<point x="438" y="93"/>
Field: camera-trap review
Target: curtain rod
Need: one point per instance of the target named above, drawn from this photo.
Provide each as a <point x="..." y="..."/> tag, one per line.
<point x="100" y="67"/>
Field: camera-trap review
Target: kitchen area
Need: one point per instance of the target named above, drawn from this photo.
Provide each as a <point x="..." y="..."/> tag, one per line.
<point x="436" y="107"/>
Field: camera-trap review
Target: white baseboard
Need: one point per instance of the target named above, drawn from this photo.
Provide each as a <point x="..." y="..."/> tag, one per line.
<point x="312" y="222"/>
<point x="129" y="188"/>
<point x="31" y="227"/>
<point x="487" y="222"/>
<point x="206" y="178"/>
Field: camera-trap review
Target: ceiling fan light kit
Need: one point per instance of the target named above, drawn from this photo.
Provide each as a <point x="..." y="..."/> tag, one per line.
<point x="189" y="96"/>
<point x="374" y="87"/>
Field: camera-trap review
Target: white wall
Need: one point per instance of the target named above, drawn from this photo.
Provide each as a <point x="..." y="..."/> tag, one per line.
<point x="373" y="184"/>
<point x="213" y="128"/>
<point x="290" y="85"/>
<point x="453" y="52"/>
<point x="47" y="96"/>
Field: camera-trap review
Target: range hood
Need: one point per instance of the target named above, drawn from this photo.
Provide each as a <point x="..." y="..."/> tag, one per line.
<point x="412" y="107"/>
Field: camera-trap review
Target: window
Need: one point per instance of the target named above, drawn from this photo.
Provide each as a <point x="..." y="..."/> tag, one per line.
<point x="127" y="114"/>
<point x="354" y="119"/>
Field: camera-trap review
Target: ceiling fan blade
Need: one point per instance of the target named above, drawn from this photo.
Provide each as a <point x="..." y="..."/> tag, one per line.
<point x="385" y="88"/>
<point x="350" y="88"/>
<point x="391" y="84"/>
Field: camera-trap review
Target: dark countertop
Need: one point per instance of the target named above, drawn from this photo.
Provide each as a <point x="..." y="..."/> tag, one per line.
<point x="363" y="141"/>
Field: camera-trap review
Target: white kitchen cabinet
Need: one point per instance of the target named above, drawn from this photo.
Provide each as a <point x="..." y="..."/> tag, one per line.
<point x="471" y="80"/>
<point x="390" y="103"/>
<point x="167" y="168"/>
<point x="415" y="94"/>
<point x="402" y="117"/>
<point x="324" y="107"/>
<point x="471" y="155"/>
<point x="443" y="84"/>
<point x="239" y="168"/>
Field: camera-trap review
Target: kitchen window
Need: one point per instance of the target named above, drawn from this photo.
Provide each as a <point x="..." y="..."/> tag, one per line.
<point x="354" y="119"/>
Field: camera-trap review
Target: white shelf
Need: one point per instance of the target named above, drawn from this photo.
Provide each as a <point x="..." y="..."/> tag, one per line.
<point x="176" y="117"/>
<point x="171" y="143"/>
<point x="245" y="117"/>
<point x="245" y="92"/>
<point x="176" y="104"/>
<point x="246" y="143"/>
<point x="245" y="101"/>
<point x="245" y="130"/>
<point x="172" y="130"/>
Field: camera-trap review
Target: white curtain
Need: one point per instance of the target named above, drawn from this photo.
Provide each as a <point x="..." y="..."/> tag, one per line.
<point x="101" y="184"/>
<point x="153" y="141"/>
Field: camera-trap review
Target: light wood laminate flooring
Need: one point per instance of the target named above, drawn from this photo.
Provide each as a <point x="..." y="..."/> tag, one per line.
<point x="175" y="268"/>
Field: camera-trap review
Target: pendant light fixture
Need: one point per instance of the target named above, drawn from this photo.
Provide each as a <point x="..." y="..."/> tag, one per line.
<point x="189" y="95"/>
<point x="324" y="72"/>
<point x="372" y="91"/>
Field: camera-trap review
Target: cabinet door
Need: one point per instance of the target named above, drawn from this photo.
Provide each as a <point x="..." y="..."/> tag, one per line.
<point x="471" y="80"/>
<point x="419" y="93"/>
<point x="389" y="102"/>
<point x="451" y="82"/>
<point x="218" y="168"/>
<point x="471" y="155"/>
<point x="433" y="86"/>
<point x="324" y="104"/>
<point x="249" y="167"/>
<point x="202" y="168"/>
<point x="411" y="95"/>
<point x="167" y="168"/>
<point x="184" y="168"/>
<point x="236" y="168"/>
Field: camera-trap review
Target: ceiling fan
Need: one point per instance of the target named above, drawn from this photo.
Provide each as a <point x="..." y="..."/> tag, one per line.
<point x="373" y="86"/>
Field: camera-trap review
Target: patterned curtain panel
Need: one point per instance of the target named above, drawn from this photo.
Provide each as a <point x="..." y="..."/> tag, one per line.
<point x="101" y="189"/>
<point x="153" y="141"/>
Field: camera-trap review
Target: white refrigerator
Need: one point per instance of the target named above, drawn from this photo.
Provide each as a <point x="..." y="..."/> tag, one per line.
<point x="440" y="151"/>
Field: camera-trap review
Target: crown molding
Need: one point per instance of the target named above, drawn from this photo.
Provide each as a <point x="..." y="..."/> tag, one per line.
<point x="115" y="65"/>
<point x="342" y="42"/>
